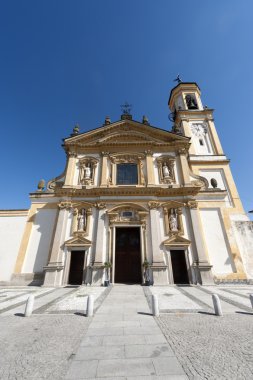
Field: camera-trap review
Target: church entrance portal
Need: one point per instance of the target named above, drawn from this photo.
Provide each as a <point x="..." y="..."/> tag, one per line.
<point x="128" y="255"/>
<point x="179" y="267"/>
<point x="76" y="268"/>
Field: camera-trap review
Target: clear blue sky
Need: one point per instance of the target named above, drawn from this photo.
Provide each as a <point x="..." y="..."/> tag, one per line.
<point x="72" y="61"/>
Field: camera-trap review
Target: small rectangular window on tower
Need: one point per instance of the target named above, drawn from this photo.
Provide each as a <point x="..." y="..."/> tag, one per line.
<point x="201" y="142"/>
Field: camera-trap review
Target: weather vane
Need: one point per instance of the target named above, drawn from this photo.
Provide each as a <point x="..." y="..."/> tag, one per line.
<point x="126" y="108"/>
<point x="178" y="79"/>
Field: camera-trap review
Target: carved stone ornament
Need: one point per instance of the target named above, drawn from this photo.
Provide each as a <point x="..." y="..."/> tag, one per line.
<point x="199" y="181"/>
<point x="87" y="167"/>
<point x="182" y="151"/>
<point x="71" y="154"/>
<point x="128" y="215"/>
<point x="148" y="152"/>
<point x="154" y="205"/>
<point x="166" y="169"/>
<point x="192" y="204"/>
<point x="199" y="129"/>
<point x="65" y="205"/>
<point x="173" y="221"/>
<point x="81" y="220"/>
<point x="100" y="205"/>
<point x="121" y="158"/>
<point x="105" y="154"/>
<point x="56" y="182"/>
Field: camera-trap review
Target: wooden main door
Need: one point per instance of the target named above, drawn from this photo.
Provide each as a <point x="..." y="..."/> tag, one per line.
<point x="179" y="267"/>
<point x="76" y="267"/>
<point x="128" y="255"/>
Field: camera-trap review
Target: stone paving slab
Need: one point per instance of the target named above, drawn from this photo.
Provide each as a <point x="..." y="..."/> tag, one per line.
<point x="15" y="297"/>
<point x="232" y="296"/>
<point x="148" y="351"/>
<point x="77" y="301"/>
<point x="170" y="298"/>
<point x="42" y="299"/>
<point x="124" y="347"/>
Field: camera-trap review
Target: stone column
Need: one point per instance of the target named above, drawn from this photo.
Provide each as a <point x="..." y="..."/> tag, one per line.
<point x="150" y="168"/>
<point x="97" y="268"/>
<point x="70" y="169"/>
<point x="103" y="178"/>
<point x="158" y="267"/>
<point x="184" y="166"/>
<point x="202" y="264"/>
<point x="54" y="269"/>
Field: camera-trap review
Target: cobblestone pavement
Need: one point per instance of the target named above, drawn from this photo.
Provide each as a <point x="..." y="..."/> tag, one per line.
<point x="210" y="347"/>
<point x="39" y="347"/>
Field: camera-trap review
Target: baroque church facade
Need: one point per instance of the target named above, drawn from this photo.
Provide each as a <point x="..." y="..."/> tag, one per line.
<point x="156" y="206"/>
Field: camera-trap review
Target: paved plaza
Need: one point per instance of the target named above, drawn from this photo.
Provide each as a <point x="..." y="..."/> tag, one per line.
<point x="123" y="340"/>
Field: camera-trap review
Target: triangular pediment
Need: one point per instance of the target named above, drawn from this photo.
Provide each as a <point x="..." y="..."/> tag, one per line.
<point x="78" y="241"/>
<point x="125" y="132"/>
<point x="177" y="241"/>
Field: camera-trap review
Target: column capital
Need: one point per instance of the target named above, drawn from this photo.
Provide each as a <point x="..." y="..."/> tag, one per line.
<point x="72" y="153"/>
<point x="103" y="154"/>
<point x="65" y="205"/>
<point x="148" y="152"/>
<point x="182" y="151"/>
<point x="153" y="205"/>
<point x="193" y="205"/>
<point x="100" y="205"/>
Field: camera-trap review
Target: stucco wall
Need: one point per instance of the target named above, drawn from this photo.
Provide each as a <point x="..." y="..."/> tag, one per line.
<point x="39" y="242"/>
<point x="243" y="231"/>
<point x="216" y="241"/>
<point x="11" y="232"/>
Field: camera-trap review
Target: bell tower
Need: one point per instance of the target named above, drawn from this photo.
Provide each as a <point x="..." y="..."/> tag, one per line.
<point x="193" y="120"/>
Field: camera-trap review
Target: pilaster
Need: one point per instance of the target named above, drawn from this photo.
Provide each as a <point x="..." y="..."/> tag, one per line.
<point x="184" y="166"/>
<point x="158" y="266"/>
<point x="202" y="264"/>
<point x="215" y="137"/>
<point x="70" y="169"/>
<point x="150" y="168"/>
<point x="97" y="268"/>
<point x="103" y="178"/>
<point x="54" y="269"/>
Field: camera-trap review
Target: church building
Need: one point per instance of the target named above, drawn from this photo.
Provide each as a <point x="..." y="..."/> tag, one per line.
<point x="134" y="204"/>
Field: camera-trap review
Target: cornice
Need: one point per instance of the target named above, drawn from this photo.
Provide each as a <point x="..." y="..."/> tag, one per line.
<point x="14" y="212"/>
<point x="192" y="115"/>
<point x="128" y="191"/>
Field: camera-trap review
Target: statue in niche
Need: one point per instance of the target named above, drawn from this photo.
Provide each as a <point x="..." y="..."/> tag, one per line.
<point x="173" y="221"/>
<point x="166" y="172"/>
<point x="191" y="102"/>
<point x="87" y="171"/>
<point x="81" y="220"/>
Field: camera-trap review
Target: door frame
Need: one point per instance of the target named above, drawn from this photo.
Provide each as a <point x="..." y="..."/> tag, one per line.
<point x="113" y="246"/>
<point x="187" y="261"/>
<point x="67" y="264"/>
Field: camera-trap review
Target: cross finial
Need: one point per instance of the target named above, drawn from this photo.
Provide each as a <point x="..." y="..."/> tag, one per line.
<point x="178" y="79"/>
<point x="126" y="108"/>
